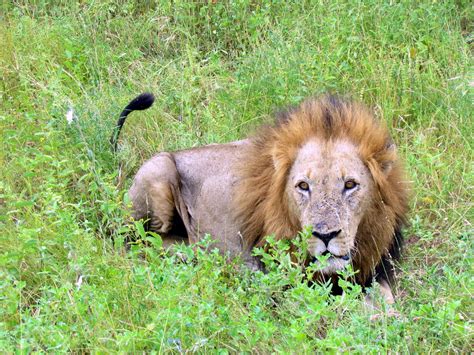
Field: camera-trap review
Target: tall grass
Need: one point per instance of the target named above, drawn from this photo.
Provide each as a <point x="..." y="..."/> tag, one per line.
<point x="219" y="69"/>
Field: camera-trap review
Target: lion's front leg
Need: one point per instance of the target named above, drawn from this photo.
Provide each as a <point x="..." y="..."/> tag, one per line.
<point x="385" y="306"/>
<point x="385" y="292"/>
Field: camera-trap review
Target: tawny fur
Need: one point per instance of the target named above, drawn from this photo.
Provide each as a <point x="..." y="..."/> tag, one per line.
<point x="241" y="192"/>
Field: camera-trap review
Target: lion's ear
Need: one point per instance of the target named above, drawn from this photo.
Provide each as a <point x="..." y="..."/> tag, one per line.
<point x="390" y="158"/>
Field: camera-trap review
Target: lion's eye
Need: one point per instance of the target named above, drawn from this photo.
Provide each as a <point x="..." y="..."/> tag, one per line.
<point x="350" y="184"/>
<point x="303" y="186"/>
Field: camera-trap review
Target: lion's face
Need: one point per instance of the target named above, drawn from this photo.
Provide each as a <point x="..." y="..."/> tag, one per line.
<point x="328" y="189"/>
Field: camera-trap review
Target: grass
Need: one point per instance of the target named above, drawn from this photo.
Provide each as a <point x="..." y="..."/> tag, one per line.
<point x="219" y="70"/>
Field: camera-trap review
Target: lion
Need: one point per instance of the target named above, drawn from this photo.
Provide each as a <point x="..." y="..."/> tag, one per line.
<point x="327" y="165"/>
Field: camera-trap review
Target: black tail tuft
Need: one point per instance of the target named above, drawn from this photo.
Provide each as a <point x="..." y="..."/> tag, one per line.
<point x="141" y="102"/>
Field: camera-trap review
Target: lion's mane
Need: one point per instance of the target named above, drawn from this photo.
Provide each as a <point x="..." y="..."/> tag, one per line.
<point x="261" y="201"/>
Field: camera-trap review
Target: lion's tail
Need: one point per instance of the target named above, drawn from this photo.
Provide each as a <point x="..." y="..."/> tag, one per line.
<point x="141" y="102"/>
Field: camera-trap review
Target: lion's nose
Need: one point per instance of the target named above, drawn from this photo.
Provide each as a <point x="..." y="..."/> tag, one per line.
<point x="326" y="237"/>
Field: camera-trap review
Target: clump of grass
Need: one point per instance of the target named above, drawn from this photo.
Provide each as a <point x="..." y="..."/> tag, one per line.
<point x="67" y="283"/>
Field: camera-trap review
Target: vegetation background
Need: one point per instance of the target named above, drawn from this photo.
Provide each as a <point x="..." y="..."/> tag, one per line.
<point x="218" y="69"/>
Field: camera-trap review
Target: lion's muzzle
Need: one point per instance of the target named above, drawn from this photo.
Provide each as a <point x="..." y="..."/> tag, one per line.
<point x="326" y="237"/>
<point x="332" y="249"/>
<point x="333" y="264"/>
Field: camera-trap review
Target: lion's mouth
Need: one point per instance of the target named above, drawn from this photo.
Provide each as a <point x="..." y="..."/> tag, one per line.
<point x="332" y="264"/>
<point x="346" y="257"/>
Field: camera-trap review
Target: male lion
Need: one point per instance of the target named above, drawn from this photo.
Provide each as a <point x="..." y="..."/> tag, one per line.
<point x="326" y="164"/>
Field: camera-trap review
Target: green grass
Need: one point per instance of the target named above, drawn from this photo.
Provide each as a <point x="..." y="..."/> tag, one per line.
<point x="218" y="71"/>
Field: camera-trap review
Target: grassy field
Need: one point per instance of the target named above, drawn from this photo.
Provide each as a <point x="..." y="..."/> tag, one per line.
<point x="218" y="70"/>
